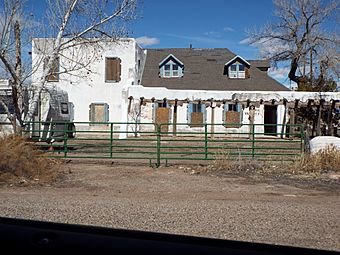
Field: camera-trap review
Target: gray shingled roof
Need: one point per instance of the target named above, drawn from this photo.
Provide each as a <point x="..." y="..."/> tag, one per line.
<point x="203" y="70"/>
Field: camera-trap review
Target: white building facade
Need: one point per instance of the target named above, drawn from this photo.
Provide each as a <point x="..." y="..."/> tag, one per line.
<point x="96" y="77"/>
<point x="121" y="82"/>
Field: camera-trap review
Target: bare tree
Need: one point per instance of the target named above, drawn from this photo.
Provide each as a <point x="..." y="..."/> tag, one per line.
<point x="71" y="24"/>
<point x="135" y="114"/>
<point x="299" y="36"/>
<point x="10" y="48"/>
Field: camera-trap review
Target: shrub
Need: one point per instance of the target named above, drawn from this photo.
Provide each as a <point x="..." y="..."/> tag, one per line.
<point x="224" y="161"/>
<point x="21" y="162"/>
<point x="326" y="160"/>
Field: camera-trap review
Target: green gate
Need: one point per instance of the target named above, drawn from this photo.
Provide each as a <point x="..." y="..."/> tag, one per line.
<point x="149" y="142"/>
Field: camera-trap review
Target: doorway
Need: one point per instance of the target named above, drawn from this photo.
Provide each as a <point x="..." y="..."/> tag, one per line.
<point x="270" y="117"/>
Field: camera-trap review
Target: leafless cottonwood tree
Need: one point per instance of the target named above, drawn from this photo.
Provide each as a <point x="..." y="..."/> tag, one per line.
<point x="135" y="114"/>
<point x="70" y="24"/>
<point x="10" y="48"/>
<point x="304" y="35"/>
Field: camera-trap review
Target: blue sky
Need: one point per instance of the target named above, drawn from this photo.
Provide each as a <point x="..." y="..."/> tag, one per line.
<point x="203" y="23"/>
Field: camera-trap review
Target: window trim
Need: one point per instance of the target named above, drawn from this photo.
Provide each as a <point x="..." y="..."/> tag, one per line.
<point x="236" y="107"/>
<point x="171" y="73"/>
<point x="92" y="115"/>
<point x="157" y="105"/>
<point x="172" y="62"/>
<point x="119" y="67"/>
<point x="196" y="108"/>
<point x="237" y="74"/>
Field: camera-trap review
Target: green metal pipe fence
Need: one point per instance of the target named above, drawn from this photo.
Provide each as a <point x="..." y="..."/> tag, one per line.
<point x="157" y="143"/>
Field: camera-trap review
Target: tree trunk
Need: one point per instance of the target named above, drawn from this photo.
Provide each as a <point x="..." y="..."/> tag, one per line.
<point x="292" y="73"/>
<point x="17" y="93"/>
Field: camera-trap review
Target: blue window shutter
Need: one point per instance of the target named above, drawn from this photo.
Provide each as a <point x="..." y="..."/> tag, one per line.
<point x="190" y="110"/>
<point x="204" y="110"/>
<point x="106" y="110"/>
<point x="225" y="109"/>
<point x="240" y="110"/>
<point x="154" y="107"/>
<point x="238" y="107"/>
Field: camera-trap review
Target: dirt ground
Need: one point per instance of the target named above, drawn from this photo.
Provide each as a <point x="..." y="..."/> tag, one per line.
<point x="185" y="200"/>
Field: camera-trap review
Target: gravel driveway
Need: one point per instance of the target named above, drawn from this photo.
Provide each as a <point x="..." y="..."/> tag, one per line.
<point x="170" y="200"/>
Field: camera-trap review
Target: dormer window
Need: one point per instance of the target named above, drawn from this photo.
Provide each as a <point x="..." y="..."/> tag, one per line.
<point x="237" y="71"/>
<point x="171" y="67"/>
<point x="237" y="68"/>
<point x="175" y="70"/>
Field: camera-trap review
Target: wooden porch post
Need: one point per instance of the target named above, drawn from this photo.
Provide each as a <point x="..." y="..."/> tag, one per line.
<point x="251" y="121"/>
<point x="284" y="118"/>
<point x="330" y="119"/>
<point x="212" y="120"/>
<point x="318" y="124"/>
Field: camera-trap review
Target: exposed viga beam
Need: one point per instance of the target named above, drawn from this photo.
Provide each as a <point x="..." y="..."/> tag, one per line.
<point x="241" y="96"/>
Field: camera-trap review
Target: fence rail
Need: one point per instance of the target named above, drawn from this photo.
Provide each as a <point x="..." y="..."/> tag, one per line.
<point x="157" y="143"/>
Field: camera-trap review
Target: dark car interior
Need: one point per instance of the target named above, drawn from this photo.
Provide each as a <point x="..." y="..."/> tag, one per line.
<point x="36" y="237"/>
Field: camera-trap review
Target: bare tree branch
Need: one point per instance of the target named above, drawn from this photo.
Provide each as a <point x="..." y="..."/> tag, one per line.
<point x="298" y="38"/>
<point x="70" y="25"/>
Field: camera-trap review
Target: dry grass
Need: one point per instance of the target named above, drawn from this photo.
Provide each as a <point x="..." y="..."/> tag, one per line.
<point x="21" y="163"/>
<point x="327" y="160"/>
<point x="224" y="161"/>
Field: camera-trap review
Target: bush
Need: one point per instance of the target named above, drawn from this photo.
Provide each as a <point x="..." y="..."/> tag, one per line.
<point x="228" y="163"/>
<point x="21" y="162"/>
<point x="326" y="160"/>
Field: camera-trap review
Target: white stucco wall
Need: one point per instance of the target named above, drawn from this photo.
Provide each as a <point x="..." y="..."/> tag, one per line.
<point x="182" y="122"/>
<point x="160" y="93"/>
<point x="85" y="87"/>
<point x="254" y="96"/>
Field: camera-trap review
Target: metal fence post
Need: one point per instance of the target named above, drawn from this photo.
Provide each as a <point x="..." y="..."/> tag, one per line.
<point x="158" y="145"/>
<point x="302" y="138"/>
<point x="206" y="140"/>
<point x="111" y="139"/>
<point x="65" y="140"/>
<point x="253" y="141"/>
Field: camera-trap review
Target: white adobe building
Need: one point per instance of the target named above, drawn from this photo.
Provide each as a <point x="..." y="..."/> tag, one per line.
<point x="120" y="76"/>
<point x="97" y="76"/>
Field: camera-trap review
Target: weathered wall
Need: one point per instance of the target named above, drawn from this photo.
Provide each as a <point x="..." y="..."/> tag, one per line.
<point x="90" y="87"/>
<point x="160" y="93"/>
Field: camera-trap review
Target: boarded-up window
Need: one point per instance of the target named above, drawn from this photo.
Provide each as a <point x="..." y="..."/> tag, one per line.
<point x="99" y="112"/>
<point x="232" y="115"/>
<point x="196" y="115"/>
<point x="54" y="71"/>
<point x="162" y="115"/>
<point x="112" y="69"/>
